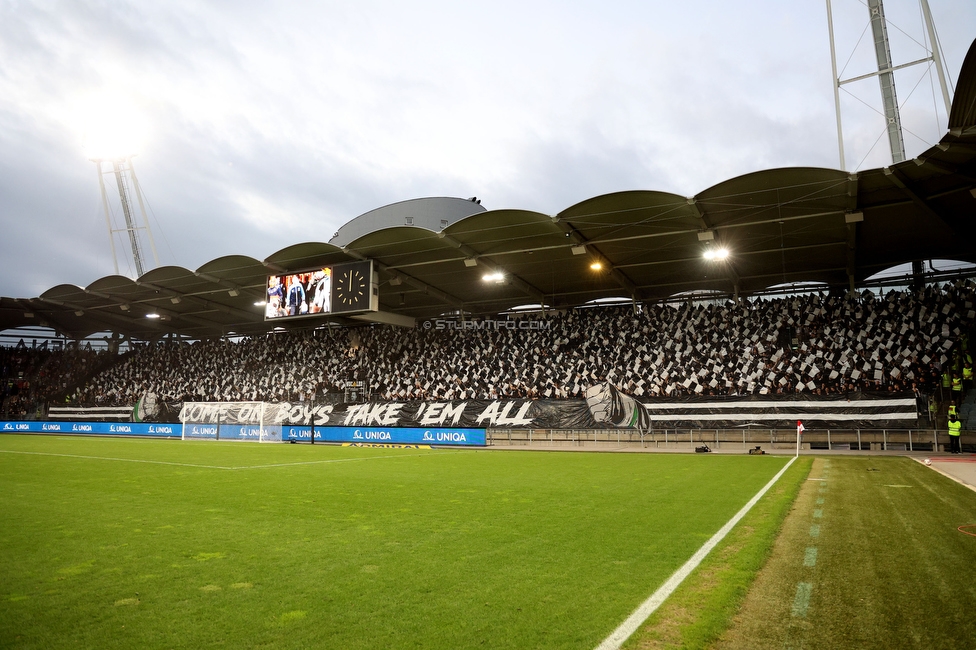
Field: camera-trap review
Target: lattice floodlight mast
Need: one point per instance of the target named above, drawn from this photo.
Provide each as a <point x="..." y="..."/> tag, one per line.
<point x="125" y="174"/>
<point x="885" y="74"/>
<point x="886" y="77"/>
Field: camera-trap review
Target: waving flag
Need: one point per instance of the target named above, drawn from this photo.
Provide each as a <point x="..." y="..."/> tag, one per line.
<point x="799" y="427"/>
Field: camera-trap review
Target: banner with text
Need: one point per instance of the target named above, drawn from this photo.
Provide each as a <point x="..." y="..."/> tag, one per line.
<point x="390" y="435"/>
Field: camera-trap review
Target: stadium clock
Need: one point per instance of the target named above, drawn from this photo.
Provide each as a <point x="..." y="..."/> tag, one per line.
<point x="351" y="287"/>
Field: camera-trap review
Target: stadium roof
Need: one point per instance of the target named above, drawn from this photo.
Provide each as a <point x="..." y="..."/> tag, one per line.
<point x="780" y="226"/>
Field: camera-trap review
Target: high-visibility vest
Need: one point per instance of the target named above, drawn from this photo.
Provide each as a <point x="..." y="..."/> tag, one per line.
<point x="956" y="383"/>
<point x="967" y="372"/>
<point x="953" y="410"/>
<point x="946" y="380"/>
<point x="955" y="428"/>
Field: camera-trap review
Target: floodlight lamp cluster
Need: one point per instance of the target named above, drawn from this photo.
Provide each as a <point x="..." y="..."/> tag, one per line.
<point x="716" y="254"/>
<point x="497" y="277"/>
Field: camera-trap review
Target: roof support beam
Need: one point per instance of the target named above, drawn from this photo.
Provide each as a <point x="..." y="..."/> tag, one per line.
<point x="707" y="227"/>
<point x="576" y="239"/>
<point x="674" y="233"/>
<point x="852" y="222"/>
<point x="170" y="315"/>
<point x="111" y="321"/>
<point x="760" y="252"/>
<point x="943" y="168"/>
<point x="964" y="231"/>
<point x="233" y="288"/>
<point x="409" y="279"/>
<point x="233" y="311"/>
<point x="512" y="279"/>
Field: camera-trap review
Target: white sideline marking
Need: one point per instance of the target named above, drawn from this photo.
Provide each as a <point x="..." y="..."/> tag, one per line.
<point x="648" y="607"/>
<point x="327" y="460"/>
<point x="125" y="460"/>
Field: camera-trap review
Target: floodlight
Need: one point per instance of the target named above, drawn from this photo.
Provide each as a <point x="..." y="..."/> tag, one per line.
<point x="497" y="276"/>
<point x="596" y="266"/>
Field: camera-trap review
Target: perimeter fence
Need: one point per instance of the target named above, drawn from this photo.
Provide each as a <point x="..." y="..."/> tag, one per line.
<point x="740" y="439"/>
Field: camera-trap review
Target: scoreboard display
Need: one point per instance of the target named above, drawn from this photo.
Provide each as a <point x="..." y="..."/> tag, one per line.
<point x="339" y="289"/>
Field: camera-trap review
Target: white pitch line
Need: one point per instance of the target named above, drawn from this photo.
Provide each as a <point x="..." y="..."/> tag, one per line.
<point x="124" y="460"/>
<point x="327" y="460"/>
<point x="649" y="606"/>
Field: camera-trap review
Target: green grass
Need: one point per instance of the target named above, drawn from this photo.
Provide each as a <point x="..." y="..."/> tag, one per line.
<point x="889" y="570"/>
<point x="330" y="547"/>
<point x="702" y="608"/>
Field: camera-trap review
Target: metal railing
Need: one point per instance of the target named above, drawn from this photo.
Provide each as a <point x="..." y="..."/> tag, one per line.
<point x="731" y="439"/>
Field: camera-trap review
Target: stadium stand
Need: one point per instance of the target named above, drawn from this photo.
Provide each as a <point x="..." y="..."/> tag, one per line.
<point x="899" y="342"/>
<point x="30" y="378"/>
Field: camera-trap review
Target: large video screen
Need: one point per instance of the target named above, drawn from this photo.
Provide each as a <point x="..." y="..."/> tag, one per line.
<point x="335" y="289"/>
<point x="298" y="294"/>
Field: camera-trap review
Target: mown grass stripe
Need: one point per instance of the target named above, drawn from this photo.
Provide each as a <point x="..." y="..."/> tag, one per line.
<point x="815" y="530"/>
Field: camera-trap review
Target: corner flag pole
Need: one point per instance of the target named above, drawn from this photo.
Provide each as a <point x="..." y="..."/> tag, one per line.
<point x="799" y="430"/>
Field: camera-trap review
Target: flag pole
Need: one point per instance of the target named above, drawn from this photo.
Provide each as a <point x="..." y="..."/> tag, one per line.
<point x="799" y="430"/>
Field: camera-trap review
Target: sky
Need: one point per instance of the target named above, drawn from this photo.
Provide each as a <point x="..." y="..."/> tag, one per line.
<point x="259" y="125"/>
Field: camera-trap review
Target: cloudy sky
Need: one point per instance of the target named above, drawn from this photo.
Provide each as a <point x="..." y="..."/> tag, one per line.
<point x="258" y="125"/>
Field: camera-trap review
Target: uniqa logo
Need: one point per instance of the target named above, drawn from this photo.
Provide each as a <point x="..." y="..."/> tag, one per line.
<point x="451" y="436"/>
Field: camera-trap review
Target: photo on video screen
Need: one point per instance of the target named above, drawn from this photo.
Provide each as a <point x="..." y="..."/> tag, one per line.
<point x="299" y="294"/>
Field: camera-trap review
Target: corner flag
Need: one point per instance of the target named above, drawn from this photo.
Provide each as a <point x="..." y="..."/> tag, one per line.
<point x="799" y="427"/>
<point x="799" y="430"/>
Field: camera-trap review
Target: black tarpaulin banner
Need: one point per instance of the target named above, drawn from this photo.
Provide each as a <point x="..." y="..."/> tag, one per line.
<point x="606" y="407"/>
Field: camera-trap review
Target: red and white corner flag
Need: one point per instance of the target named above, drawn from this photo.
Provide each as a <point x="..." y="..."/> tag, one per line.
<point x="799" y="427"/>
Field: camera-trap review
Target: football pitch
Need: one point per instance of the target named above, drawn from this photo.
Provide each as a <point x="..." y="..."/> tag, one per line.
<point x="157" y="544"/>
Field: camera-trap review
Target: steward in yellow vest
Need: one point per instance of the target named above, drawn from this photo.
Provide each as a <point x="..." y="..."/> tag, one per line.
<point x="955" y="431"/>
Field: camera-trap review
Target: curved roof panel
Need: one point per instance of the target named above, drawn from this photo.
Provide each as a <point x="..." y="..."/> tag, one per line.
<point x="432" y="213"/>
<point x="300" y="257"/>
<point x="963" y="113"/>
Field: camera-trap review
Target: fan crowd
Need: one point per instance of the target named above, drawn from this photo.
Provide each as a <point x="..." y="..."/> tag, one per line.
<point x="811" y="344"/>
